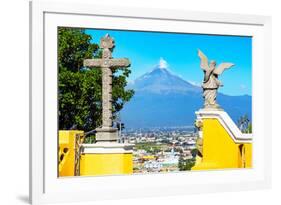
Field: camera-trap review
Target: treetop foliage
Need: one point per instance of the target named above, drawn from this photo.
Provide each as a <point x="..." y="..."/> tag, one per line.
<point x="80" y="88"/>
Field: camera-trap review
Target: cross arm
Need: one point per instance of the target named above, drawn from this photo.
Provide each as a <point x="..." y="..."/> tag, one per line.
<point x="121" y="62"/>
<point x="108" y="63"/>
<point x="93" y="62"/>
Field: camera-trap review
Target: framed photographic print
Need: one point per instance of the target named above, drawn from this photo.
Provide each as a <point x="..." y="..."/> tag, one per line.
<point x="127" y="102"/>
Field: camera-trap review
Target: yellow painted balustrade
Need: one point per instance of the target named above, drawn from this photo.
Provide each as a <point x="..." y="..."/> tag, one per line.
<point x="222" y="145"/>
<point x="106" y="164"/>
<point x="67" y="151"/>
<point x="104" y="158"/>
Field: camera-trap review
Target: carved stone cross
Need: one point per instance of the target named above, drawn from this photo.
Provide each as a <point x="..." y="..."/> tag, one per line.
<point x="106" y="63"/>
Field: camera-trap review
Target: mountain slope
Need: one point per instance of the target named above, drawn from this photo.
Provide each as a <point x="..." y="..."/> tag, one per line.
<point x="161" y="81"/>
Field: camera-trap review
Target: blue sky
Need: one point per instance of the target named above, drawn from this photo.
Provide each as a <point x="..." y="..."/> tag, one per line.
<point x="145" y="49"/>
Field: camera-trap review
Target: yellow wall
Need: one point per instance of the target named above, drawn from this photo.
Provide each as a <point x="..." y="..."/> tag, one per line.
<point x="67" y="151"/>
<point x="219" y="149"/>
<point x="106" y="164"/>
<point x="90" y="164"/>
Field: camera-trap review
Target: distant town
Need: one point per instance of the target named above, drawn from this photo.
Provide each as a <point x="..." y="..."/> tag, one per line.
<point x="163" y="149"/>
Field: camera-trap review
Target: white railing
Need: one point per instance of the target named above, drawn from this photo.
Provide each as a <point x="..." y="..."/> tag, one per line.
<point x="227" y="123"/>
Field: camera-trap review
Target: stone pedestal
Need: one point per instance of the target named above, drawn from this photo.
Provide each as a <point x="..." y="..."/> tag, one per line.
<point x="109" y="134"/>
<point x="210" y="109"/>
<point x="106" y="158"/>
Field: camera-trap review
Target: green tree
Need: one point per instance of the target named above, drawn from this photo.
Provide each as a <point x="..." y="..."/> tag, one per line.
<point x="245" y="124"/>
<point x="79" y="88"/>
<point x="186" y="164"/>
<point x="249" y="128"/>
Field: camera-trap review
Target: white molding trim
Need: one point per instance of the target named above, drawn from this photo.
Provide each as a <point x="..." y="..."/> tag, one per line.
<point x="107" y="148"/>
<point x="227" y="123"/>
<point x="151" y="13"/>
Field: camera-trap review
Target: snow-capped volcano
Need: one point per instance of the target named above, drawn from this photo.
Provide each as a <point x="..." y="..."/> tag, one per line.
<point x="161" y="80"/>
<point x="162" y="63"/>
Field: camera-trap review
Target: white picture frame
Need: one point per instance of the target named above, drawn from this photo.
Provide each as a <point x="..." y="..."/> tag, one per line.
<point x="46" y="187"/>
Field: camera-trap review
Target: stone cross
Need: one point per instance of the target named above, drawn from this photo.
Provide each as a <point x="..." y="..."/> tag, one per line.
<point x="106" y="63"/>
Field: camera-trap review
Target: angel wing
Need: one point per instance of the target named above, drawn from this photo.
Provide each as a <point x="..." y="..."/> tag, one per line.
<point x="222" y="67"/>
<point x="204" y="61"/>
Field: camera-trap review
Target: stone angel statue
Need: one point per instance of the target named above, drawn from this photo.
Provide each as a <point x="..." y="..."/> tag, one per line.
<point x="211" y="83"/>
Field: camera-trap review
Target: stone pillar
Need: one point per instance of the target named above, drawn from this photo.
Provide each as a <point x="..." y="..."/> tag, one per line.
<point x="106" y="98"/>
